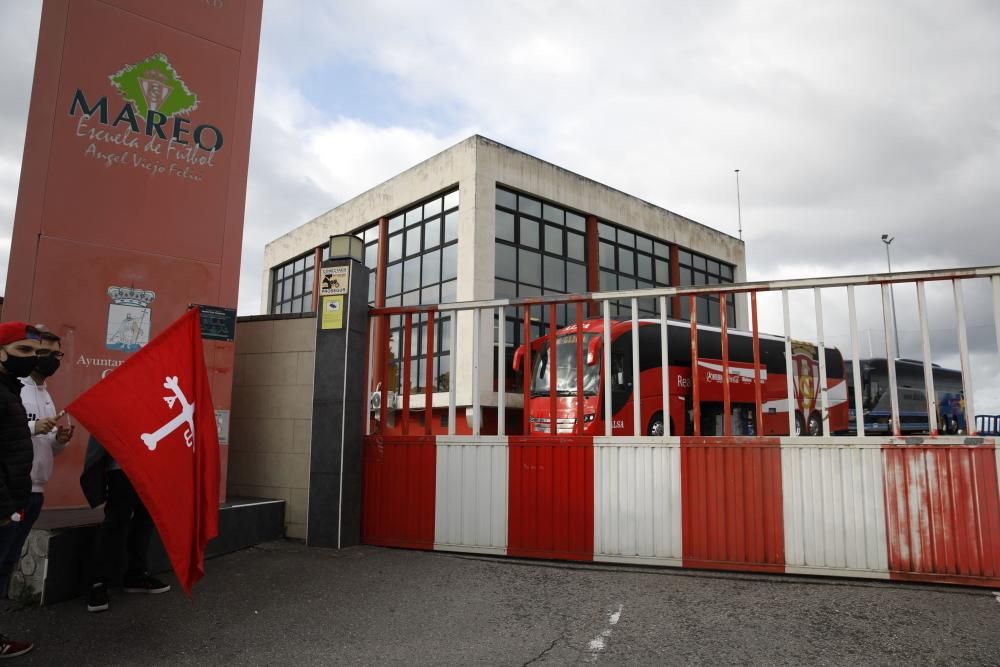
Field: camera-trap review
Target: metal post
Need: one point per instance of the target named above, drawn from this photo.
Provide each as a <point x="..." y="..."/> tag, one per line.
<point x="824" y="392"/>
<point x="739" y="208"/>
<point x="995" y="280"/>
<point x="789" y="365"/>
<point x="384" y="372"/>
<point x="925" y="339"/>
<point x="526" y="370"/>
<point x="727" y="405"/>
<point x="429" y="376"/>
<point x="553" y="368"/>
<point x="859" y="413"/>
<point x="890" y="359"/>
<point x="695" y="382"/>
<point x="477" y="325"/>
<point x="372" y="332"/>
<point x="665" y="365"/>
<point x="757" y="389"/>
<point x="407" y="341"/>
<point x="502" y="374"/>
<point x="580" y="361"/>
<point x="638" y="428"/>
<point x="452" y="365"/>
<point x="606" y="345"/>
<point x="887" y="240"/>
<point x="963" y="351"/>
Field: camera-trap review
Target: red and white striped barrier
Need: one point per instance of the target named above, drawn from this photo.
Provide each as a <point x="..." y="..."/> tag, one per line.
<point x="842" y="506"/>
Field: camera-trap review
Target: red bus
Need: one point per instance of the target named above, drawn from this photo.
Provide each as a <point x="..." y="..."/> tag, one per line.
<point x="774" y="389"/>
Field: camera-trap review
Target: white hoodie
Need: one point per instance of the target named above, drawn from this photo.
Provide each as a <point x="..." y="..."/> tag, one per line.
<point x="38" y="404"/>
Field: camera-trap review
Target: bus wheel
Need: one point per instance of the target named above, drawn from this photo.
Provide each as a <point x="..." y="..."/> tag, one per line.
<point x="799" y="424"/>
<point x="655" y="425"/>
<point x="815" y="424"/>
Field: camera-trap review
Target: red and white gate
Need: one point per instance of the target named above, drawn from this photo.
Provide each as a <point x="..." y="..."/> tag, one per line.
<point x="923" y="507"/>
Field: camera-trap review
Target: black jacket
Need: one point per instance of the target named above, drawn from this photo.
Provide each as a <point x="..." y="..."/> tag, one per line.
<point x="16" y="452"/>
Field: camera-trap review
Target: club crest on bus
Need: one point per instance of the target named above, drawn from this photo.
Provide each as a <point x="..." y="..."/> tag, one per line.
<point x="805" y="368"/>
<point x="186" y="417"/>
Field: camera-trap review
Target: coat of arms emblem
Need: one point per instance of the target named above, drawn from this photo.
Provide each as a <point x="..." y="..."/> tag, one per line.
<point x="128" y="318"/>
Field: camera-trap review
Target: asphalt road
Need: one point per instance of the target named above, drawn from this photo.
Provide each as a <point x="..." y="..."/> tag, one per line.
<point x="282" y="603"/>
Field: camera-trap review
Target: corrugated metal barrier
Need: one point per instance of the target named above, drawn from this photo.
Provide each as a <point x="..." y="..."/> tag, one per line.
<point x="923" y="507"/>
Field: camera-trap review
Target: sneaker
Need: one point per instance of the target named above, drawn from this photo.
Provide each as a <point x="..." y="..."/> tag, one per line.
<point x="97" y="597"/>
<point x="146" y="584"/>
<point x="11" y="648"/>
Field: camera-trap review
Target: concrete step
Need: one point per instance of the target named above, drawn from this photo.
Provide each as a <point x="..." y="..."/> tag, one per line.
<point x="54" y="559"/>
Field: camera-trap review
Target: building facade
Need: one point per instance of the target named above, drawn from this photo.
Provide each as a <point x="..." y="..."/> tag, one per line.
<point x="480" y="221"/>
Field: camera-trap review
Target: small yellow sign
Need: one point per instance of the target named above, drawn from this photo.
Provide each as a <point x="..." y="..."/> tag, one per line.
<point x="333" y="280"/>
<point x="333" y="312"/>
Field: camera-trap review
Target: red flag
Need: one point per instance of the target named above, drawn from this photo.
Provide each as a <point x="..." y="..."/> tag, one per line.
<point x="154" y="415"/>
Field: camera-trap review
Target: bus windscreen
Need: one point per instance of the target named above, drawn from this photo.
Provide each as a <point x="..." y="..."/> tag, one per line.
<point x="566" y="364"/>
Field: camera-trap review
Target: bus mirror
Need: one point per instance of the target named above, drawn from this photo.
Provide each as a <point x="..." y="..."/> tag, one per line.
<point x="592" y="350"/>
<point x="518" y="355"/>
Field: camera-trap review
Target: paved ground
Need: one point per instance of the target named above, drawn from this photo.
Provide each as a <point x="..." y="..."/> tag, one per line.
<point x="281" y="603"/>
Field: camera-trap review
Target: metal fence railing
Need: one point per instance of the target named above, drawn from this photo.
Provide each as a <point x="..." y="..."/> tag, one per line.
<point x="472" y="383"/>
<point x="988" y="424"/>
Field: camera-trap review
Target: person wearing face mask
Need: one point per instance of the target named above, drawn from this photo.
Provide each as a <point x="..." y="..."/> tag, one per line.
<point x="48" y="439"/>
<point x="19" y="345"/>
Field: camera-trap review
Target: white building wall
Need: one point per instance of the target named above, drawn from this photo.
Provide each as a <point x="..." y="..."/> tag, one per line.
<point x="477" y="165"/>
<point x="435" y="174"/>
<point x="496" y="163"/>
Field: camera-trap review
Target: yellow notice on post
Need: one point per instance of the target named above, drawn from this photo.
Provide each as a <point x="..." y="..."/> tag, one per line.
<point x="333" y="312"/>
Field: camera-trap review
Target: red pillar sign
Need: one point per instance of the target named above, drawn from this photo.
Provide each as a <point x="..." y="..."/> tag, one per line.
<point x="133" y="185"/>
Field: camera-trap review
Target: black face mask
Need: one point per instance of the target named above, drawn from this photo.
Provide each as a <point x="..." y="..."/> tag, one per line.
<point x="20" y="367"/>
<point x="47" y="366"/>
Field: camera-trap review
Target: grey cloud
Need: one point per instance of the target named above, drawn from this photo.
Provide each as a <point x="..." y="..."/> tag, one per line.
<point x="19" y="38"/>
<point x="848" y="120"/>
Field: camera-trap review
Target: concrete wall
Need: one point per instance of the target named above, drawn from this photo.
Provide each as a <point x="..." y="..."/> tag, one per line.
<point x="271" y="421"/>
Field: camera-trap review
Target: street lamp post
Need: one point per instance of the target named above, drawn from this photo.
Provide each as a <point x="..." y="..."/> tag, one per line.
<point x="739" y="211"/>
<point x="887" y="240"/>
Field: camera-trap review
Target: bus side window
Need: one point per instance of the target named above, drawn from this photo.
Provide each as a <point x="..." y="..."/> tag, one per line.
<point x="621" y="374"/>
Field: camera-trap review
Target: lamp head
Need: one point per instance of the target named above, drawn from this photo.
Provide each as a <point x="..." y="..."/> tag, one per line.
<point x="886" y="239"/>
<point x="346" y="246"/>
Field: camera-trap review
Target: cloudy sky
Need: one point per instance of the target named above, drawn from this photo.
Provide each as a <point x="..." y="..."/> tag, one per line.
<point x="847" y="120"/>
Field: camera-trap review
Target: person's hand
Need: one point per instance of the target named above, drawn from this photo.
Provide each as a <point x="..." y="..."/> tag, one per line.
<point x="64" y="434"/>
<point x="43" y="426"/>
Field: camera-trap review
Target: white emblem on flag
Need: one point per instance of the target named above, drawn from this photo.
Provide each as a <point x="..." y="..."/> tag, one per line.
<point x="186" y="416"/>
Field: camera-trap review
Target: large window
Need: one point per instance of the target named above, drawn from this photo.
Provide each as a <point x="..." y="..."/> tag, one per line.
<point x="697" y="269"/>
<point x="630" y="260"/>
<point x="292" y="285"/>
<point x="422" y="268"/>
<point x="540" y="250"/>
<point x="292" y="282"/>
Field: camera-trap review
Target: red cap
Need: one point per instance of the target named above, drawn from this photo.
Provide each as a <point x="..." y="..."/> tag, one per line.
<point x="11" y="332"/>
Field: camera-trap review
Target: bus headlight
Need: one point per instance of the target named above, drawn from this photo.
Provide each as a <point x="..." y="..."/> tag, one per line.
<point x="589" y="418"/>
